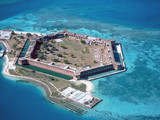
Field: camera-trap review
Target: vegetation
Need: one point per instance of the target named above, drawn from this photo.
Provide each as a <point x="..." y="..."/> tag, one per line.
<point x="83" y="42"/>
<point x="53" y="42"/>
<point x="50" y="45"/>
<point x="64" y="47"/>
<point x="28" y="34"/>
<point x="59" y="55"/>
<point x="87" y="50"/>
<point x="76" y="65"/>
<point x="55" y="60"/>
<point x="66" y="61"/>
<point x="81" y="87"/>
<point x="72" y="56"/>
<point x="14" y="53"/>
<point x="14" y="45"/>
<point x="21" y="37"/>
<point x="11" y="71"/>
<point x="53" y="48"/>
<point x="69" y="49"/>
<point x="95" y="61"/>
<point x="60" y="84"/>
<point x="41" y="56"/>
<point x="65" y="53"/>
<point x="14" y="38"/>
<point x="42" y="47"/>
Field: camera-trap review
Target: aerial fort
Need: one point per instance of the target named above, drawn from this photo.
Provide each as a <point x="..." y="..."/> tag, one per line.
<point x="62" y="63"/>
<point x="74" y="54"/>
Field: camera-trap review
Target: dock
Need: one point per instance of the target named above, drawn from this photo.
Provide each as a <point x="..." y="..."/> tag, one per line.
<point x="80" y="97"/>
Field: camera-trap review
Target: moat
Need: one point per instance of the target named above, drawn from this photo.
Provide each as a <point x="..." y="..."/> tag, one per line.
<point x="62" y="63"/>
<point x="74" y="55"/>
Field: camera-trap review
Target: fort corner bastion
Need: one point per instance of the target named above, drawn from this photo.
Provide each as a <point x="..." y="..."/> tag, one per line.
<point x="106" y="55"/>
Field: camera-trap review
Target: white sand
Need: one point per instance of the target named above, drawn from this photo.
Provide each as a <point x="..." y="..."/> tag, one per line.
<point x="19" y="32"/>
<point x="9" y="65"/>
<point x="89" y="86"/>
<point x="8" y="49"/>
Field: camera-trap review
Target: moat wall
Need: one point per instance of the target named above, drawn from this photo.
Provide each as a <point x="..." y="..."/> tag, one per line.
<point x="48" y="67"/>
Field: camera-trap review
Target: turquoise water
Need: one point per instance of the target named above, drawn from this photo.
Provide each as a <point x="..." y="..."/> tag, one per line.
<point x="48" y="72"/>
<point x="133" y="95"/>
<point x="23" y="53"/>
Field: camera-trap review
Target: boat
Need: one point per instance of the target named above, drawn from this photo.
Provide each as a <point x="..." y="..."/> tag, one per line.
<point x="2" y="52"/>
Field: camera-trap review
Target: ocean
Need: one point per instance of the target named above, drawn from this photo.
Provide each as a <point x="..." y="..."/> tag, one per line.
<point x="132" y="95"/>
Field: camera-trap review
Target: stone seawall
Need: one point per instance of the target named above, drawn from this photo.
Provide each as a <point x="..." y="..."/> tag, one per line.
<point x="97" y="70"/>
<point x="51" y="68"/>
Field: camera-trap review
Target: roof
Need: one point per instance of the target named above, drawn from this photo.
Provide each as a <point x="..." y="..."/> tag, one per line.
<point x="5" y="34"/>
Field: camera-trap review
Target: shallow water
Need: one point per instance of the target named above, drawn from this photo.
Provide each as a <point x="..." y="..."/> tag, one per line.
<point x="133" y="94"/>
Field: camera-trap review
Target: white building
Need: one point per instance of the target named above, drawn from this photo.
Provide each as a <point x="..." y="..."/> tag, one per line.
<point x="5" y="34"/>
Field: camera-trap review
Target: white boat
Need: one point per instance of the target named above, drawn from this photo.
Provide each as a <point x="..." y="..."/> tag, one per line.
<point x="2" y="53"/>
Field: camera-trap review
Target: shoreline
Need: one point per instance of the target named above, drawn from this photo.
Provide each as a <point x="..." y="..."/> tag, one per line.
<point x="5" y="72"/>
<point x="46" y="91"/>
<point x="22" y="32"/>
<point x="5" y="44"/>
<point x="58" y="98"/>
<point x="89" y="85"/>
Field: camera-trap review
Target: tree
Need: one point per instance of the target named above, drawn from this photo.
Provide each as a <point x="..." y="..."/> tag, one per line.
<point x="87" y="51"/>
<point x="28" y="34"/>
<point x="39" y="40"/>
<point x="66" y="61"/>
<point x="47" y="49"/>
<point x="18" y="42"/>
<point x="45" y="45"/>
<point x="64" y="47"/>
<point x="55" y="60"/>
<point x="50" y="45"/>
<point x="33" y="71"/>
<point x="95" y="61"/>
<point x="52" y="78"/>
<point x="59" y="55"/>
<point x="83" y="42"/>
<point x="41" y="56"/>
<point x="45" y="52"/>
<point x="53" y="42"/>
<point x="53" y="48"/>
<point x="21" y="37"/>
<point x="39" y="52"/>
<point x="14" y="38"/>
<point x="14" y="53"/>
<point x="76" y="65"/>
<point x="65" y="53"/>
<point x="42" y="47"/>
<point x="72" y="56"/>
<point x="14" y="45"/>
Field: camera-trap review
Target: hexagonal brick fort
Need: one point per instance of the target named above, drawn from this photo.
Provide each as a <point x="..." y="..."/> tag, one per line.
<point x="109" y="45"/>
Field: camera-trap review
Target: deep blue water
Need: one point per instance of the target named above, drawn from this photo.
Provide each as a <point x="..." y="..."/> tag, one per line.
<point x="134" y="94"/>
<point x="22" y="101"/>
<point x="137" y="13"/>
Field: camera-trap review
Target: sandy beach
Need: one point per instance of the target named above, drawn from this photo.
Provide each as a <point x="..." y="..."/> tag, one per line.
<point x="21" y="32"/>
<point x="89" y="86"/>
<point x="9" y="65"/>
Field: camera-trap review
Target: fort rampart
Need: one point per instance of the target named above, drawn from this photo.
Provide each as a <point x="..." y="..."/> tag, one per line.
<point x="111" y="65"/>
<point x="46" y="66"/>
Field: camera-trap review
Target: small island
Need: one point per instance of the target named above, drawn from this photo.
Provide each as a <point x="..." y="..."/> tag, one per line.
<point x="63" y="64"/>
